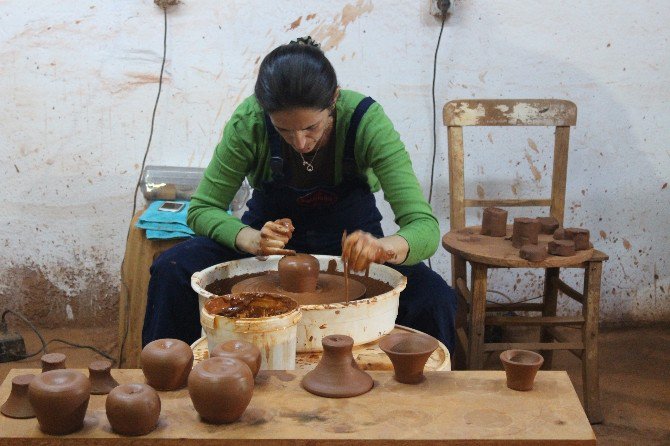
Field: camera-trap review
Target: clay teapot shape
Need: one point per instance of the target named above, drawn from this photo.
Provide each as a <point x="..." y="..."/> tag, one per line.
<point x="166" y="363"/>
<point x="99" y="373"/>
<point x="133" y="409"/>
<point x="521" y="366"/>
<point x="220" y="389"/>
<point x="242" y="350"/>
<point x="298" y="273"/>
<point x="408" y="353"/>
<point x="17" y="405"/>
<point x="60" y="398"/>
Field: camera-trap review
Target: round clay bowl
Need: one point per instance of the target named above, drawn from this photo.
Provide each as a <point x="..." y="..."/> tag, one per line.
<point x="99" y="373"/>
<point x="298" y="273"/>
<point x="60" y="399"/>
<point x="220" y="389"/>
<point x="521" y="366"/>
<point x="17" y="404"/>
<point x="166" y="363"/>
<point x="409" y="353"/>
<point x="242" y="350"/>
<point x="133" y="409"/>
<point x="52" y="361"/>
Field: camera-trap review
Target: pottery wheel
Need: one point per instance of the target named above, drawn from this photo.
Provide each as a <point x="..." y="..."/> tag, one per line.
<point x="329" y="288"/>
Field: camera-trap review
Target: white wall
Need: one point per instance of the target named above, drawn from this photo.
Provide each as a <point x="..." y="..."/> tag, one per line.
<point x="79" y="79"/>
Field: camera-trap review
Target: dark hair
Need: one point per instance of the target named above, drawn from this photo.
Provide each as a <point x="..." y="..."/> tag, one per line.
<point x="297" y="75"/>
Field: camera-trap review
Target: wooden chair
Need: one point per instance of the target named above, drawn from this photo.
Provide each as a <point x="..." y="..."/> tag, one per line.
<point x="467" y="246"/>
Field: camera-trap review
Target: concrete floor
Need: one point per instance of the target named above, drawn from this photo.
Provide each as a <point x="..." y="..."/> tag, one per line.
<point x="634" y="379"/>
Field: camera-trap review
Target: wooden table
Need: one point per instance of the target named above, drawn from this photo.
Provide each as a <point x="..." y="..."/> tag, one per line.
<point x="469" y="407"/>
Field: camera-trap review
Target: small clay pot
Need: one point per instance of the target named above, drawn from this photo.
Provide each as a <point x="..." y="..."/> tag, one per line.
<point x="563" y="248"/>
<point x="133" y="409"/>
<point x="298" y="273"/>
<point x="18" y="405"/>
<point x="220" y="389"/>
<point x="408" y="353"/>
<point x="521" y="366"/>
<point x="60" y="399"/>
<point x="548" y="225"/>
<point x="99" y="373"/>
<point x="559" y="234"/>
<point x="533" y="253"/>
<point x="337" y="375"/>
<point x="579" y="236"/>
<point x="242" y="350"/>
<point x="525" y="231"/>
<point x="166" y="363"/>
<point x="52" y="361"/>
<point x="494" y="222"/>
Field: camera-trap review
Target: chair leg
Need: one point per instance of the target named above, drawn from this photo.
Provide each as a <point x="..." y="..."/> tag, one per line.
<point x="590" y="377"/>
<point x="476" y="318"/>
<point x="549" y="309"/>
<point x="459" y="271"/>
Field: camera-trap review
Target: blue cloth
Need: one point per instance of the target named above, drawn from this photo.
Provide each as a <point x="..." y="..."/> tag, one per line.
<point x="164" y="225"/>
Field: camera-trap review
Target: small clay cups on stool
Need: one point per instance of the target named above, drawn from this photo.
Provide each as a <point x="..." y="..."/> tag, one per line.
<point x="17" y="404"/>
<point x="579" y="236"/>
<point x="298" y="273"/>
<point x="99" y="373"/>
<point x="525" y="231"/>
<point x="521" y="366"/>
<point x="408" y="353"/>
<point x="494" y="222"/>
<point x="242" y="350"/>
<point x="133" y="409"/>
<point x="548" y="225"/>
<point x="562" y="248"/>
<point x="533" y="253"/>
<point x="52" y="361"/>
<point x="166" y="363"/>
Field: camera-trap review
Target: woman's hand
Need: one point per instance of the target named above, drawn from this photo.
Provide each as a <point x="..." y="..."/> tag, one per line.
<point x="274" y="237"/>
<point x="360" y="249"/>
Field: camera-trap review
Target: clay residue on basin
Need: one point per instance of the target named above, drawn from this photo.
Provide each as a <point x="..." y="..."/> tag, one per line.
<point x="250" y="305"/>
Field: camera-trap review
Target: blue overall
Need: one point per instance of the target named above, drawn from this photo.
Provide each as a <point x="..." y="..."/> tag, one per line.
<point x="319" y="216"/>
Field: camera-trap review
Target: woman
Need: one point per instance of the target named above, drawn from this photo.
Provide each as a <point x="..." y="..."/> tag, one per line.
<point x="314" y="155"/>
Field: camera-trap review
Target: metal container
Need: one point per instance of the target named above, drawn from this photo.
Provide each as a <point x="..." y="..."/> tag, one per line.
<point x="365" y="320"/>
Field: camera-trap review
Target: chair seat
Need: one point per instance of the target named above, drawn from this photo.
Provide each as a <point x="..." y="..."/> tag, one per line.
<point x="469" y="244"/>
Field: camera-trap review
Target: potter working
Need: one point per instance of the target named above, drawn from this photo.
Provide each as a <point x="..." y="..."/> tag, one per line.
<point x="314" y="154"/>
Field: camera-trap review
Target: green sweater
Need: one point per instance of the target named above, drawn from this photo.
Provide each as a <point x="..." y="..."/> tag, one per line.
<point x="380" y="155"/>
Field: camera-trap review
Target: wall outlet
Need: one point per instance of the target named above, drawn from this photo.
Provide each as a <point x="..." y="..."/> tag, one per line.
<point x="440" y="7"/>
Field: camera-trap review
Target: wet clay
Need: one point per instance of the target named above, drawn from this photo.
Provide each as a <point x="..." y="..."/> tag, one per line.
<point x="242" y="350"/>
<point x="60" y="398"/>
<point x="533" y="253"/>
<point x="250" y="305"/>
<point x="525" y="231"/>
<point x="298" y="273"/>
<point x="521" y="366"/>
<point x="579" y="236"/>
<point x="17" y="404"/>
<point x="408" y="353"/>
<point x="559" y="234"/>
<point x="99" y="373"/>
<point x="337" y="375"/>
<point x="52" y="361"/>
<point x="133" y="409"/>
<point x="166" y="363"/>
<point x="494" y="222"/>
<point x="563" y="248"/>
<point x="548" y="225"/>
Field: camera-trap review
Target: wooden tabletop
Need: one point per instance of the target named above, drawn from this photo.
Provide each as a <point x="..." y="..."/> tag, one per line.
<point x="468" y="407"/>
<point x="469" y="244"/>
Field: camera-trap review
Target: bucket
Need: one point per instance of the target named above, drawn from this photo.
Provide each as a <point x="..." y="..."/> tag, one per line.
<point x="275" y="335"/>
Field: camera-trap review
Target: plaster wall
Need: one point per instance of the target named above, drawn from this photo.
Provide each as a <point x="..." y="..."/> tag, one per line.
<point x="79" y="80"/>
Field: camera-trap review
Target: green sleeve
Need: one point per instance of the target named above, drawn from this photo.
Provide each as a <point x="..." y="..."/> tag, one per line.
<point x="380" y="148"/>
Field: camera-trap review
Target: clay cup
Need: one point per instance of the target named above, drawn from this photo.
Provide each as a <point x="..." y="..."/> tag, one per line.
<point x="409" y="353"/>
<point x="521" y="366"/>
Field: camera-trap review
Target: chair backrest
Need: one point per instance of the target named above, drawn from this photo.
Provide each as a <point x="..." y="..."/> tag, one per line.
<point x="510" y="112"/>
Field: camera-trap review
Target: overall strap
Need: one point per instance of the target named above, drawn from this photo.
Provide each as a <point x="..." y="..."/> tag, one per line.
<point x="276" y="160"/>
<point x="350" y="141"/>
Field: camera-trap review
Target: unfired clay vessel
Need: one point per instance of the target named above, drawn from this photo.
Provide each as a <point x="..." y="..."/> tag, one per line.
<point x="408" y="353"/>
<point x="337" y="375"/>
<point x="563" y="248"/>
<point x="220" y="389"/>
<point x="559" y="234"/>
<point x="166" y="363"/>
<point x="533" y="253"/>
<point x="60" y="399"/>
<point x="525" y="231"/>
<point x="494" y="222"/>
<point x="521" y="366"/>
<point x="548" y="225"/>
<point x="579" y="236"/>
<point x="298" y="273"/>
<point x="52" y="361"/>
<point x="242" y="350"/>
<point x="99" y="373"/>
<point x="17" y="405"/>
<point x="133" y="409"/>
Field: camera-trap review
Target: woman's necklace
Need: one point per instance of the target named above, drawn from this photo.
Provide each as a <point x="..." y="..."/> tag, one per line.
<point x="309" y="165"/>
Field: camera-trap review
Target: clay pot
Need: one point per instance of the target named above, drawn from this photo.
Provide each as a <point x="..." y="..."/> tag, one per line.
<point x="99" y="373"/>
<point x="548" y="225"/>
<point x="166" y="363"/>
<point x="337" y="375"/>
<point x="133" y="409"/>
<point x="60" y="399"/>
<point x="521" y="366"/>
<point x="563" y="248"/>
<point x="220" y="389"/>
<point x="525" y="231"/>
<point x="494" y="222"/>
<point x="408" y="353"/>
<point x="17" y="405"/>
<point x="242" y="350"/>
<point x="52" y="361"/>
<point x="579" y="236"/>
<point x="533" y="253"/>
<point x="559" y="234"/>
<point x="298" y="273"/>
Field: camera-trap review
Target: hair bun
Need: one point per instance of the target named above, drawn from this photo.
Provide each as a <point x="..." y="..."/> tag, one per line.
<point x="307" y="40"/>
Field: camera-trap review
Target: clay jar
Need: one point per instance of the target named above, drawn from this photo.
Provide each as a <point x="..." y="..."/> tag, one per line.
<point x="298" y="273"/>
<point x="242" y="350"/>
<point x="494" y="222"/>
<point x="408" y="353"/>
<point x="52" y="361"/>
<point x="521" y="366"/>
<point x="99" y="373"/>
<point x="337" y="375"/>
<point x="60" y="399"/>
<point x="525" y="231"/>
<point x="17" y="405"/>
<point x="133" y="409"/>
<point x="166" y="363"/>
<point x="220" y="389"/>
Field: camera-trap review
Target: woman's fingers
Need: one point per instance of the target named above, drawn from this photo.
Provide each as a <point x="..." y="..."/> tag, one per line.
<point x="274" y="237"/>
<point x="360" y="249"/>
